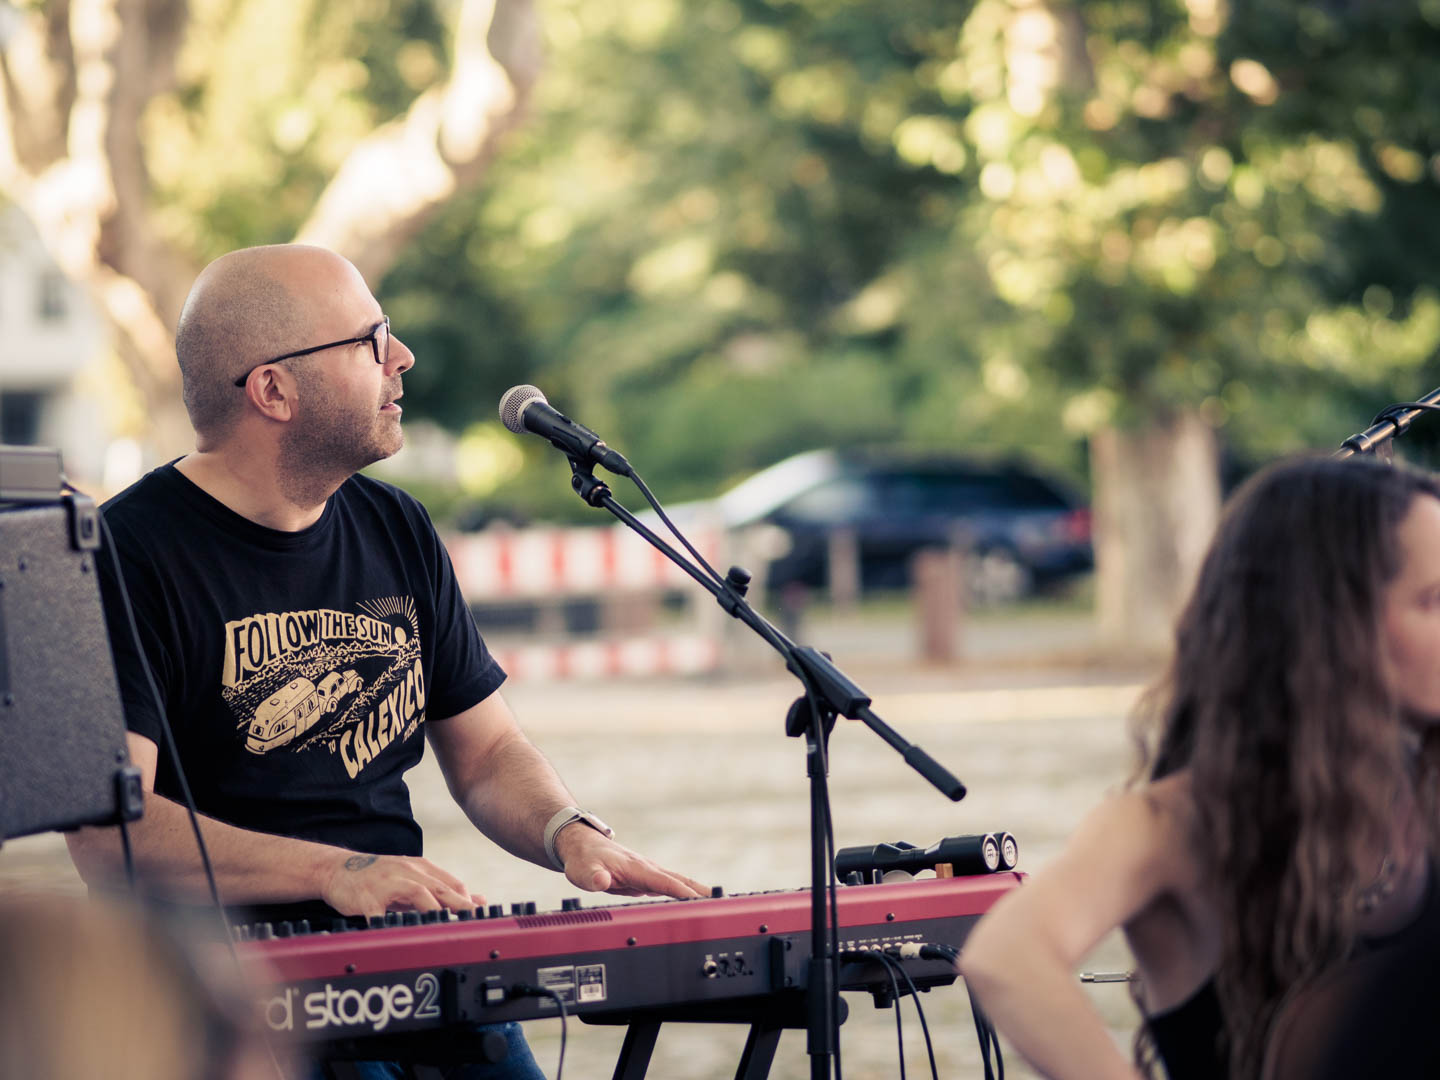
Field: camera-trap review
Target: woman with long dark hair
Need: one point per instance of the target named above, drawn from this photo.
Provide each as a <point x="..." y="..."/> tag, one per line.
<point x="1281" y="820"/>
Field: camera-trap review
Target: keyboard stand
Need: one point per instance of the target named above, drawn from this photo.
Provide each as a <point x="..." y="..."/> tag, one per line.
<point x="768" y="1016"/>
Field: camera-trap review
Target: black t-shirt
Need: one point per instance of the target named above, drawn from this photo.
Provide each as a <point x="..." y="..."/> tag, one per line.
<point x="295" y="669"/>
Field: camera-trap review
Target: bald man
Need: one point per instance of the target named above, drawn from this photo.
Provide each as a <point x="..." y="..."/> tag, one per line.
<point x="304" y="628"/>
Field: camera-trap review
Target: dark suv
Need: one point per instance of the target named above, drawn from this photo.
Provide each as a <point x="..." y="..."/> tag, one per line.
<point x="1022" y="530"/>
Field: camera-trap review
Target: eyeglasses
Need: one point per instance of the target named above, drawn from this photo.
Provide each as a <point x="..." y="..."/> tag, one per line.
<point x="378" y="337"/>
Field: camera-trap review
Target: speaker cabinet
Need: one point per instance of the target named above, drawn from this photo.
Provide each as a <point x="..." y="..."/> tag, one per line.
<point x="63" y="760"/>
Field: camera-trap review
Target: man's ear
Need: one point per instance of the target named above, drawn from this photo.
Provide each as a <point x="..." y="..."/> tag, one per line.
<point x="272" y="392"/>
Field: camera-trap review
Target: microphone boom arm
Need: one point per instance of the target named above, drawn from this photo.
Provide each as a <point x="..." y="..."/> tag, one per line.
<point x="1391" y="421"/>
<point x="828" y="693"/>
<point x="833" y="690"/>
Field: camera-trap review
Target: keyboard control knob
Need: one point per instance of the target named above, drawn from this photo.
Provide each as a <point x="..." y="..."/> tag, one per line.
<point x="570" y="903"/>
<point x="497" y="911"/>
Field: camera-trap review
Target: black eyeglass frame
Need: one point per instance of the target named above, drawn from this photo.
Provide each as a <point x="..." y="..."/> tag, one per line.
<point x="373" y="337"/>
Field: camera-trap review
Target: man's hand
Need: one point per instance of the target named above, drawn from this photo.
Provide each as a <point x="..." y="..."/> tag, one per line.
<point x="374" y="884"/>
<point x="596" y="863"/>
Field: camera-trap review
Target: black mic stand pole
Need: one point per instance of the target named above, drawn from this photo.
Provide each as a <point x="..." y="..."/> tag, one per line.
<point x="828" y="694"/>
<point x="1391" y="421"/>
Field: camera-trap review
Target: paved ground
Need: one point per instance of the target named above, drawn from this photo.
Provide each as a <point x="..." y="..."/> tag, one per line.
<point x="699" y="775"/>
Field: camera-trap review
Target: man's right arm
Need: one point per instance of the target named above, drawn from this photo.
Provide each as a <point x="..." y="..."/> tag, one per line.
<point x="253" y="867"/>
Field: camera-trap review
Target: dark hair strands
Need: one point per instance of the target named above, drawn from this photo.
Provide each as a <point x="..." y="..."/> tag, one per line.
<point x="1276" y="701"/>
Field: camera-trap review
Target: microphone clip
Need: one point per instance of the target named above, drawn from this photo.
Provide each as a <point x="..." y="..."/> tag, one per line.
<point x="582" y="479"/>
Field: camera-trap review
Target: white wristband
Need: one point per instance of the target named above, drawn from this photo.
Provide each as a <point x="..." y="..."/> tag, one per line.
<point x="568" y="815"/>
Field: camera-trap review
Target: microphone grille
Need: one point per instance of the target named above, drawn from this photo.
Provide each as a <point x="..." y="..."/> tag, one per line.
<point x="513" y="404"/>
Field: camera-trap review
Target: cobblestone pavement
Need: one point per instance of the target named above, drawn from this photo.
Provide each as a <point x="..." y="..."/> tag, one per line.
<point x="698" y="775"/>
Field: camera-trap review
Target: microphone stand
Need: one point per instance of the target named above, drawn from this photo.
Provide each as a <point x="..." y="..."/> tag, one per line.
<point x="1391" y="421"/>
<point x="828" y="694"/>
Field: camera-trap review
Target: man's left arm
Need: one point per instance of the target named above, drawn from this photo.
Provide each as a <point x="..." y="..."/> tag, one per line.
<point x="510" y="791"/>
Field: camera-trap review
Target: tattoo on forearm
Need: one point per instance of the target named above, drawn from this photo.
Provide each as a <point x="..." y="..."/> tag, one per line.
<point x="360" y="862"/>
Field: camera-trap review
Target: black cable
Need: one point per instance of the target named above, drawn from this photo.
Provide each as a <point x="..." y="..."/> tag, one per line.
<point x="129" y="855"/>
<point x="823" y="792"/>
<point x="1391" y="411"/>
<point x="876" y="956"/>
<point x="832" y="912"/>
<point x="526" y="990"/>
<point x="169" y="735"/>
<point x="189" y="800"/>
<point x="832" y="905"/>
<point x="890" y="968"/>
<point x="989" y="1040"/>
<point x="660" y="510"/>
<point x="919" y="1011"/>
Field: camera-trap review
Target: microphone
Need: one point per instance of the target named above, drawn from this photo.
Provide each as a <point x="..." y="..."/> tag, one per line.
<point x="524" y="408"/>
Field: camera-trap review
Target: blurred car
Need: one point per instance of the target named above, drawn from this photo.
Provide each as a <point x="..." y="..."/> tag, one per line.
<point x="1023" y="531"/>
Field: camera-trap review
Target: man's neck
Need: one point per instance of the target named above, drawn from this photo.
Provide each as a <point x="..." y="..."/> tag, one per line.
<point x="250" y="486"/>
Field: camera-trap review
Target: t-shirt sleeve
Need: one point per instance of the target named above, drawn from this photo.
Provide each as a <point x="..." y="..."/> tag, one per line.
<point x="138" y="582"/>
<point x="464" y="672"/>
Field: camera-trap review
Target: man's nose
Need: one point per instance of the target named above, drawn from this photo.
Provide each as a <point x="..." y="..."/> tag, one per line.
<point x="400" y="359"/>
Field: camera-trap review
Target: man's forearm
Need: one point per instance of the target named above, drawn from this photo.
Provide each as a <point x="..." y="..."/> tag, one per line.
<point x="511" y="794"/>
<point x="249" y="866"/>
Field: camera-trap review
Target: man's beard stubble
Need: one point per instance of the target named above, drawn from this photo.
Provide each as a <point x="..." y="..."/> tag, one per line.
<point x="330" y="442"/>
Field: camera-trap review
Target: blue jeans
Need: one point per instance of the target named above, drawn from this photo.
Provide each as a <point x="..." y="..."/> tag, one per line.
<point x="519" y="1064"/>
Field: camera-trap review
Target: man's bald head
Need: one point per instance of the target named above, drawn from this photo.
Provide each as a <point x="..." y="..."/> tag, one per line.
<point x="244" y="308"/>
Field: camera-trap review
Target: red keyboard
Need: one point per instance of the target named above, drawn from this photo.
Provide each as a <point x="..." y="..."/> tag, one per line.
<point x="604" y="963"/>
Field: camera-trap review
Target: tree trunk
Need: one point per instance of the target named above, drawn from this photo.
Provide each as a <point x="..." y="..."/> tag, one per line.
<point x="75" y="79"/>
<point x="1156" y="504"/>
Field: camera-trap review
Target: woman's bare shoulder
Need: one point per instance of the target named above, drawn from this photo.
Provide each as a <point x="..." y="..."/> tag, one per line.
<point x="1155" y="823"/>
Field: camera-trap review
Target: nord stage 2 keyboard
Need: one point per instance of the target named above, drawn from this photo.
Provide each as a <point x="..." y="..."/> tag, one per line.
<point x="731" y="959"/>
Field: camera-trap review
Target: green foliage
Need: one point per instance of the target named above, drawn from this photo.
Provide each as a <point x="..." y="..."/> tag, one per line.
<point x="737" y="229"/>
<point x="272" y="95"/>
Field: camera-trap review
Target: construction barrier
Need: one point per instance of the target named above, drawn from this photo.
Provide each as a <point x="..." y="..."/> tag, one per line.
<point x="625" y="577"/>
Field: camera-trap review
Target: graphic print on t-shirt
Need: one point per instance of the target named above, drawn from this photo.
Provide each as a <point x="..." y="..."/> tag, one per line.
<point x="350" y="681"/>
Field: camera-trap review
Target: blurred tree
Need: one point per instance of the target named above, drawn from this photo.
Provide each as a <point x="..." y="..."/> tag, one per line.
<point x="1110" y="234"/>
<point x="1192" y="212"/>
<point x="742" y="229"/>
<point x="145" y="137"/>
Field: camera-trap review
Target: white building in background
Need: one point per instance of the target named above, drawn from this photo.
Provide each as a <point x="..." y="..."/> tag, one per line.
<point x="49" y="335"/>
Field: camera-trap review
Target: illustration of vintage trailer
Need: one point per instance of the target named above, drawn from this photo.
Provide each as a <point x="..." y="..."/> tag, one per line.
<point x="289" y="712"/>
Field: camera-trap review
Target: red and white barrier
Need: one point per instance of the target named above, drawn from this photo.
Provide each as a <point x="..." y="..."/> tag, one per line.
<point x="679" y="654"/>
<point x="545" y="564"/>
<point x="504" y="564"/>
